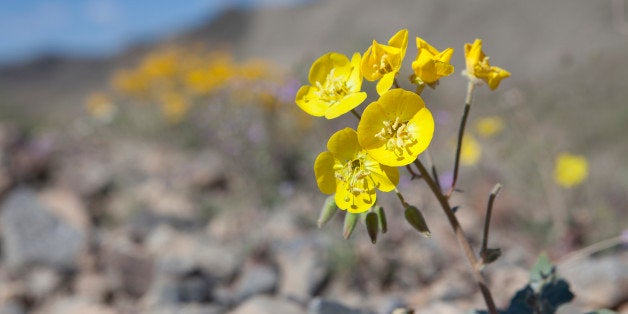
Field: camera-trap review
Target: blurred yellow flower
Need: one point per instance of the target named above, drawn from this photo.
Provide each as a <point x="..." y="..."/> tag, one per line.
<point x="430" y="64"/>
<point x="130" y="83"/>
<point x="100" y="107"/>
<point x="349" y="172"/>
<point x="174" y="106"/>
<point x="335" y="89"/>
<point x="570" y="170"/>
<point x="396" y="128"/>
<point x="489" y="126"/>
<point x="382" y="62"/>
<point x="471" y="151"/>
<point x="478" y="67"/>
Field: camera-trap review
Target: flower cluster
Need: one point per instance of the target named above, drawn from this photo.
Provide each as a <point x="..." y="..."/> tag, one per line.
<point x="394" y="128"/>
<point x="175" y="78"/>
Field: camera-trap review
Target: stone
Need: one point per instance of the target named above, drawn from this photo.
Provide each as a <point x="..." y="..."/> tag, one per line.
<point x="325" y="306"/>
<point x="40" y="282"/>
<point x="128" y="267"/>
<point x="73" y="305"/>
<point x="305" y="267"/>
<point x="598" y="282"/>
<point x="34" y="233"/>
<point x="92" y="286"/>
<point x="178" y="253"/>
<point x="255" y="279"/>
<point x="263" y="304"/>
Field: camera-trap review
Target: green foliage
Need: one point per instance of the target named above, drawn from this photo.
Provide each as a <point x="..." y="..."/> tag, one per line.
<point x="543" y="294"/>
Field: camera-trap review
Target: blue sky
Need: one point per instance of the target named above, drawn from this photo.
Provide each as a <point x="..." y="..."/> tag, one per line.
<point x="29" y="28"/>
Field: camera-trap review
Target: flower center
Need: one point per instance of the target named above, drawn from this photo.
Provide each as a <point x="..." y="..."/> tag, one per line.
<point x="355" y="176"/>
<point x="384" y="65"/>
<point x="333" y="89"/>
<point x="398" y="138"/>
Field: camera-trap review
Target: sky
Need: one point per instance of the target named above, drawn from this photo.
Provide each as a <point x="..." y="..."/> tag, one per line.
<point x="31" y="28"/>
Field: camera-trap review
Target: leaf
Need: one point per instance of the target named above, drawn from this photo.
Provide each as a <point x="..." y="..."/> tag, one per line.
<point x="491" y="255"/>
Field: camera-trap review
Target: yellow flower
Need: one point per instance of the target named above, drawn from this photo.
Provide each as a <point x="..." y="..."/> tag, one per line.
<point x="382" y="62"/>
<point x="100" y="107"/>
<point x="471" y="151"/>
<point x="478" y="67"/>
<point x="349" y="172"/>
<point x="396" y="128"/>
<point x="570" y="170"/>
<point x="489" y="126"/>
<point x="335" y="89"/>
<point x="430" y="64"/>
<point x="174" y="107"/>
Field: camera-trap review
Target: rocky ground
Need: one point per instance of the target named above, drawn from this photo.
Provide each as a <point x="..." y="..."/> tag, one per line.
<point x="98" y="221"/>
<point x="127" y="228"/>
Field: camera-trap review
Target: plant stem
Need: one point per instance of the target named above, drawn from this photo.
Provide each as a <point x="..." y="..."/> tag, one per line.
<point x="463" y="123"/>
<point x="356" y="114"/>
<point x="460" y="236"/>
<point x="487" y="219"/>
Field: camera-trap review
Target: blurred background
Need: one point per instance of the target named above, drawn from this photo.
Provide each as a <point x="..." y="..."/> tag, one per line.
<point x="152" y="158"/>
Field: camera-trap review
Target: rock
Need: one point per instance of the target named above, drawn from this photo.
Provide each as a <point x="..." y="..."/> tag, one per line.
<point x="190" y="309"/>
<point x="34" y="233"/>
<point x="600" y="282"/>
<point x="179" y="254"/>
<point x="73" y="305"/>
<point x="266" y="305"/>
<point x="305" y="267"/>
<point x="390" y="304"/>
<point x="91" y="286"/>
<point x="440" y="308"/>
<point x="324" y="306"/>
<point x="255" y="279"/>
<point x="128" y="267"/>
<point x="41" y="282"/>
<point x="11" y="307"/>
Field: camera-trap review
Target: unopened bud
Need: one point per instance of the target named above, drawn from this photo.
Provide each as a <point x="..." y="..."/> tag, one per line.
<point x="416" y="220"/>
<point x="351" y="220"/>
<point x="382" y="219"/>
<point x="372" y="224"/>
<point x="327" y="212"/>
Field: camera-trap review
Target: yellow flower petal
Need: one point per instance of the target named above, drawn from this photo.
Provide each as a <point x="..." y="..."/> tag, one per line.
<point x="430" y="64"/>
<point x="323" y="170"/>
<point x="396" y="128"/>
<point x="479" y="68"/>
<point x="385" y="83"/>
<point x="335" y="86"/>
<point x="349" y="172"/>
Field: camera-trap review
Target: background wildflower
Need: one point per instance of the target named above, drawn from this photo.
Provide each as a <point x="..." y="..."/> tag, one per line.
<point x="471" y="151"/>
<point x="489" y="126"/>
<point x="570" y="170"/>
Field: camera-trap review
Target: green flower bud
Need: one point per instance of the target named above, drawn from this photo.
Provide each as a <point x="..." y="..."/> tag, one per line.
<point x="382" y="219"/>
<point x="327" y="212"/>
<point x="351" y="221"/>
<point x="372" y="224"/>
<point x="415" y="218"/>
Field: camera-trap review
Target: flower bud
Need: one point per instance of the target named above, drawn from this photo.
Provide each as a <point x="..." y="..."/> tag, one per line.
<point x="382" y="219"/>
<point x="372" y="224"/>
<point x="327" y="212"/>
<point x="415" y="218"/>
<point x="351" y="220"/>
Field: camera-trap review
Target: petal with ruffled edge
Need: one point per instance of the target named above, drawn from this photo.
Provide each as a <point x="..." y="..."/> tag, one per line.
<point x="324" y="172"/>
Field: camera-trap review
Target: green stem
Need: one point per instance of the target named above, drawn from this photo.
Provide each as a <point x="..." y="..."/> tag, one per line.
<point x="463" y="123"/>
<point x="487" y="219"/>
<point x="460" y="236"/>
<point x="356" y="114"/>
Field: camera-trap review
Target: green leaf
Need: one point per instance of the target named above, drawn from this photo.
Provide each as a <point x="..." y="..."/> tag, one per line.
<point x="490" y="255"/>
<point x="541" y="270"/>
